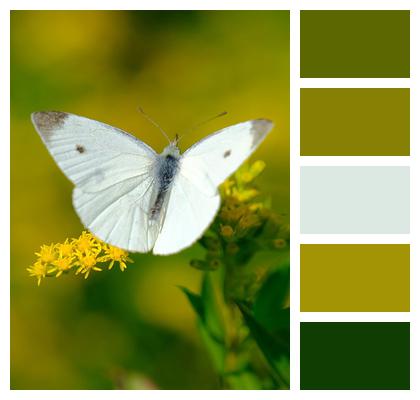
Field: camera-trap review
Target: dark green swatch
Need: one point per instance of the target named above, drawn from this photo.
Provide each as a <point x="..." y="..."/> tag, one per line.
<point x="355" y="44"/>
<point x="355" y="122"/>
<point x="354" y="355"/>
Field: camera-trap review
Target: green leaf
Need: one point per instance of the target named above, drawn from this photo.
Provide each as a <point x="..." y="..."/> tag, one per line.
<point x="274" y="347"/>
<point x="244" y="380"/>
<point x="207" y="307"/>
<point x="216" y="349"/>
<point x="244" y="277"/>
<point x="195" y="301"/>
<point x="213" y="304"/>
<point x="210" y="323"/>
<point x="268" y="307"/>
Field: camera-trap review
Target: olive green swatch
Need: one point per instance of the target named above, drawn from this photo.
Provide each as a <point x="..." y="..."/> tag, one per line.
<point x="355" y="355"/>
<point x="355" y="44"/>
<point x="354" y="277"/>
<point x="355" y="122"/>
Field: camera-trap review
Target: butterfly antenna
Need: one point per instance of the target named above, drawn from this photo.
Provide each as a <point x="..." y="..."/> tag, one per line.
<point x="154" y="123"/>
<point x="194" y="127"/>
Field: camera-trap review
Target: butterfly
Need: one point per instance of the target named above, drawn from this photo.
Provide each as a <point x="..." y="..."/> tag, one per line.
<point x="133" y="198"/>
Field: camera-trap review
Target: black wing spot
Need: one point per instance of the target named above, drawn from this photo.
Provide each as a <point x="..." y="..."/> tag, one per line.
<point x="227" y="153"/>
<point x="80" y="148"/>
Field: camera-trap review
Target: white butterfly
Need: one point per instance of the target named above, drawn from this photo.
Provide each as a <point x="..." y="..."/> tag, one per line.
<point x="133" y="198"/>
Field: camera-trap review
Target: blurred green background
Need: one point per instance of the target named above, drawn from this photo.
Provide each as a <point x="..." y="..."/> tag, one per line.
<point x="133" y="329"/>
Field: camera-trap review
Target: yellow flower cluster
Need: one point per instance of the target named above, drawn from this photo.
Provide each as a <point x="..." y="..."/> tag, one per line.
<point x="81" y="255"/>
<point x="244" y="224"/>
<point x="243" y="212"/>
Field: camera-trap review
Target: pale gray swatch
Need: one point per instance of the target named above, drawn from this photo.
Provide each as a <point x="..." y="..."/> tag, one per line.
<point x="355" y="200"/>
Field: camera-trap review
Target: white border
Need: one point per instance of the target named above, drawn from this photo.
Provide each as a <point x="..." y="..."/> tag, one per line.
<point x="361" y="161"/>
<point x="296" y="161"/>
<point x="354" y="317"/>
<point x="350" y="238"/>
<point x="213" y="5"/>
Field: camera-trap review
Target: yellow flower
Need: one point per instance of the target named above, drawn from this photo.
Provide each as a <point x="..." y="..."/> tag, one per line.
<point x="247" y="173"/>
<point x="249" y="221"/>
<point x="245" y="194"/>
<point x="39" y="270"/>
<point x="226" y="187"/>
<point x="226" y="231"/>
<point x="113" y="254"/>
<point x="246" y="223"/>
<point x="257" y="167"/>
<point x="246" y="176"/>
<point x="233" y="210"/>
<point x="47" y="254"/>
<point x="86" y="253"/>
<point x="258" y="207"/>
<point x="86" y="242"/>
<point x="65" y="249"/>
<point x="61" y="265"/>
<point x="87" y="262"/>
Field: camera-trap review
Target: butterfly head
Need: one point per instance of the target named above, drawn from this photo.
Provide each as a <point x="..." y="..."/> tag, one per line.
<point x="172" y="149"/>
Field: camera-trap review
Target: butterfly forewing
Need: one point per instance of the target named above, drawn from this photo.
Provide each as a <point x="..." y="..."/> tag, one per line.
<point x="217" y="156"/>
<point x="91" y="154"/>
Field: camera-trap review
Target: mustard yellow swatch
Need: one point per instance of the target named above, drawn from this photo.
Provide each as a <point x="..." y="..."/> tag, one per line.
<point x="354" y="277"/>
<point x="355" y="122"/>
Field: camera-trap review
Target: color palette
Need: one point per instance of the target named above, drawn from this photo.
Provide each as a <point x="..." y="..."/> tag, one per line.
<point x="355" y="44"/>
<point x="355" y="122"/>
<point x="355" y="277"/>
<point x="355" y="199"/>
<point x="355" y="355"/>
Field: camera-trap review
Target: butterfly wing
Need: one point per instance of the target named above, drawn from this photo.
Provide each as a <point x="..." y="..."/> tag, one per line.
<point x="211" y="160"/>
<point x="114" y="174"/>
<point x="119" y="214"/>
<point x="189" y="212"/>
<point x="194" y="198"/>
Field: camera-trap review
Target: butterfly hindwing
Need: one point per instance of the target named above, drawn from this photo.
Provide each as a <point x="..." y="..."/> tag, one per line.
<point x="189" y="212"/>
<point x="119" y="214"/>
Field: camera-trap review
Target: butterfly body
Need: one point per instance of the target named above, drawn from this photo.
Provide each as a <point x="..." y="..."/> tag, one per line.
<point x="168" y="167"/>
<point x="133" y="198"/>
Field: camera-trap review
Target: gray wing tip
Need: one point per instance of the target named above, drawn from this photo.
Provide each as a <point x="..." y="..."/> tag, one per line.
<point x="35" y="117"/>
<point x="47" y="120"/>
<point x="263" y="124"/>
<point x="260" y="128"/>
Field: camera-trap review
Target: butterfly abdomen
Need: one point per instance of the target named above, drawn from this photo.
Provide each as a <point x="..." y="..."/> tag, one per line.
<point x="165" y="175"/>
